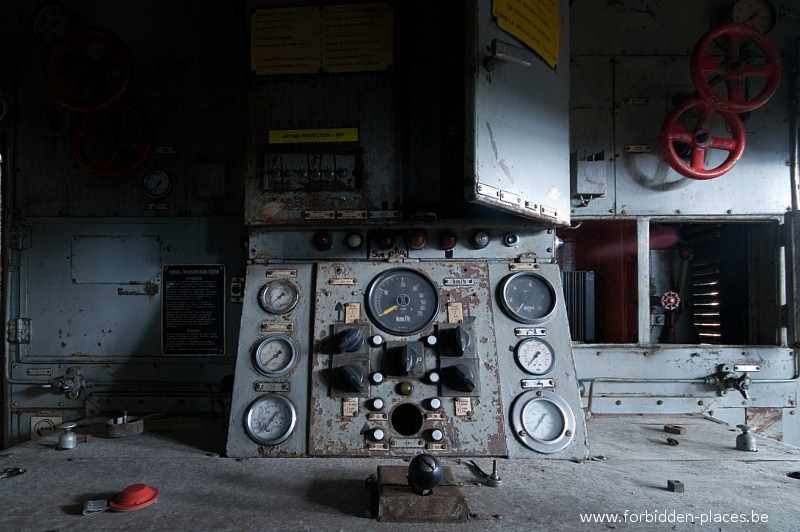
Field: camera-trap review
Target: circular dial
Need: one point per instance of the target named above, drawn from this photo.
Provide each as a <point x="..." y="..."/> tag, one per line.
<point x="402" y="301"/>
<point x="535" y="356"/>
<point x="157" y="184"/>
<point x="758" y="14"/>
<point x="527" y="297"/>
<point x="543" y="421"/>
<point x="275" y="355"/>
<point x="270" y="419"/>
<point x="278" y="296"/>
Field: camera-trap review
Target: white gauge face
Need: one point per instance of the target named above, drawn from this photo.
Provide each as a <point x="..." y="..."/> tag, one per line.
<point x="270" y="419"/>
<point x="275" y="355"/>
<point x="535" y="356"/>
<point x="542" y="420"/>
<point x="279" y="296"/>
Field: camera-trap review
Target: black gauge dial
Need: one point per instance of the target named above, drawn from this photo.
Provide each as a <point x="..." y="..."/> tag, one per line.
<point x="527" y="297"/>
<point x="402" y="301"/>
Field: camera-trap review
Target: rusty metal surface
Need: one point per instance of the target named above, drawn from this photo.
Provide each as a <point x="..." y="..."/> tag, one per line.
<point x="481" y="432"/>
<point x="397" y="503"/>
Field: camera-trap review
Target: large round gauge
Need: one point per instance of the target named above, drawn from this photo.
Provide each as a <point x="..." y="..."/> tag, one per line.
<point x="535" y="356"/>
<point x="278" y="296"/>
<point x="402" y="301"/>
<point x="270" y="419"/>
<point x="527" y="297"/>
<point x="543" y="421"/>
<point x="275" y="355"/>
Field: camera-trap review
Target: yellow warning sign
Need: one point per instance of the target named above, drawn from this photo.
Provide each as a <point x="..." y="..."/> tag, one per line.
<point x="534" y="22"/>
<point x="291" y="136"/>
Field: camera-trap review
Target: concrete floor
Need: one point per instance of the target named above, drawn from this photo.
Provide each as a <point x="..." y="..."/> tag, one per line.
<point x="199" y="490"/>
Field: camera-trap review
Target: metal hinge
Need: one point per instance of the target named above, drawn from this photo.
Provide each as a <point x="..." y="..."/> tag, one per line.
<point x="19" y="331"/>
<point x="20" y="237"/>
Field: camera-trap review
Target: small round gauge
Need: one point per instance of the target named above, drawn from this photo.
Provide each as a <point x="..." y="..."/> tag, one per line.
<point x="543" y="421"/>
<point x="275" y="355"/>
<point x="758" y="14"/>
<point x="157" y="184"/>
<point x="527" y="297"/>
<point x="402" y="301"/>
<point x="270" y="419"/>
<point x="278" y="296"/>
<point x="535" y="356"/>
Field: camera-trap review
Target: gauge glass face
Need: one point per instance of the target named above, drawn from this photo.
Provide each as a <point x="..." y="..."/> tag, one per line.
<point x="270" y="419"/>
<point x="535" y="356"/>
<point x="527" y="297"/>
<point x="402" y="301"/>
<point x="758" y="14"/>
<point x="157" y="184"/>
<point x="542" y="420"/>
<point x="279" y="296"/>
<point x="275" y="355"/>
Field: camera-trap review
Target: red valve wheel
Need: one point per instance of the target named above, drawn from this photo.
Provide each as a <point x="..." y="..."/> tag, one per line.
<point x="88" y="71"/>
<point x="699" y="139"/>
<point x="113" y="142"/>
<point x="741" y="67"/>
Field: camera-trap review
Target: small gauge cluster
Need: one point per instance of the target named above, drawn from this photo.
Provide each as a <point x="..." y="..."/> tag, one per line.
<point x="383" y="359"/>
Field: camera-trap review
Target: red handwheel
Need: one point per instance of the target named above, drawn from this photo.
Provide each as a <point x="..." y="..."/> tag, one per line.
<point x="113" y="142"/>
<point x="697" y="139"/>
<point x="87" y="71"/>
<point x="750" y="65"/>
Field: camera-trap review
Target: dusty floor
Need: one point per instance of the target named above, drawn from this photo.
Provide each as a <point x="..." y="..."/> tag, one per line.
<point x="725" y="489"/>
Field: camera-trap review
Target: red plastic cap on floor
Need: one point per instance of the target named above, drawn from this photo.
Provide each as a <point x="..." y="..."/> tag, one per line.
<point x="134" y="497"/>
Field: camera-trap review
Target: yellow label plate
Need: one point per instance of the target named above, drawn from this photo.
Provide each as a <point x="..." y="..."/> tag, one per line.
<point x="292" y="136"/>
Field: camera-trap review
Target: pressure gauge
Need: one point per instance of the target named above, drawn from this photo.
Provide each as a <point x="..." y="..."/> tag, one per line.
<point x="402" y="301"/>
<point x="270" y="419"/>
<point x="157" y="184"/>
<point x="527" y="297"/>
<point x="543" y="421"/>
<point x="535" y="356"/>
<point x="275" y="355"/>
<point x="758" y="14"/>
<point x="278" y="296"/>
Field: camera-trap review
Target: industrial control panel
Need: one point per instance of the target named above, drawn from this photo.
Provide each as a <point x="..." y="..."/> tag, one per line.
<point x="457" y="357"/>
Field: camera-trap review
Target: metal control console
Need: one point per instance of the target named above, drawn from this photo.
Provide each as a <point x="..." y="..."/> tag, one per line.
<point x="412" y="353"/>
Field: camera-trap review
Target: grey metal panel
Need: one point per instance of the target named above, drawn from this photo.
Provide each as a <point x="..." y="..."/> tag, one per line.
<point x="591" y="130"/>
<point x="563" y="374"/>
<point x="294" y="385"/>
<point x="517" y="127"/>
<point x="640" y="27"/>
<point x="646" y="185"/>
<point x="110" y="317"/>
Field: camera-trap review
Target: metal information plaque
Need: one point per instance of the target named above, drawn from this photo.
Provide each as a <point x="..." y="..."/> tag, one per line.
<point x="193" y="310"/>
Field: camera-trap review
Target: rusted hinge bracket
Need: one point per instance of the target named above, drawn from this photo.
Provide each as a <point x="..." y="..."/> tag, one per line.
<point x="19" y="331"/>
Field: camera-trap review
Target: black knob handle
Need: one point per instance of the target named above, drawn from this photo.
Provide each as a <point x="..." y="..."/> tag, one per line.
<point x="409" y="357"/>
<point x="460" y="377"/>
<point x="461" y="340"/>
<point x="351" y="341"/>
<point x="349" y="378"/>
